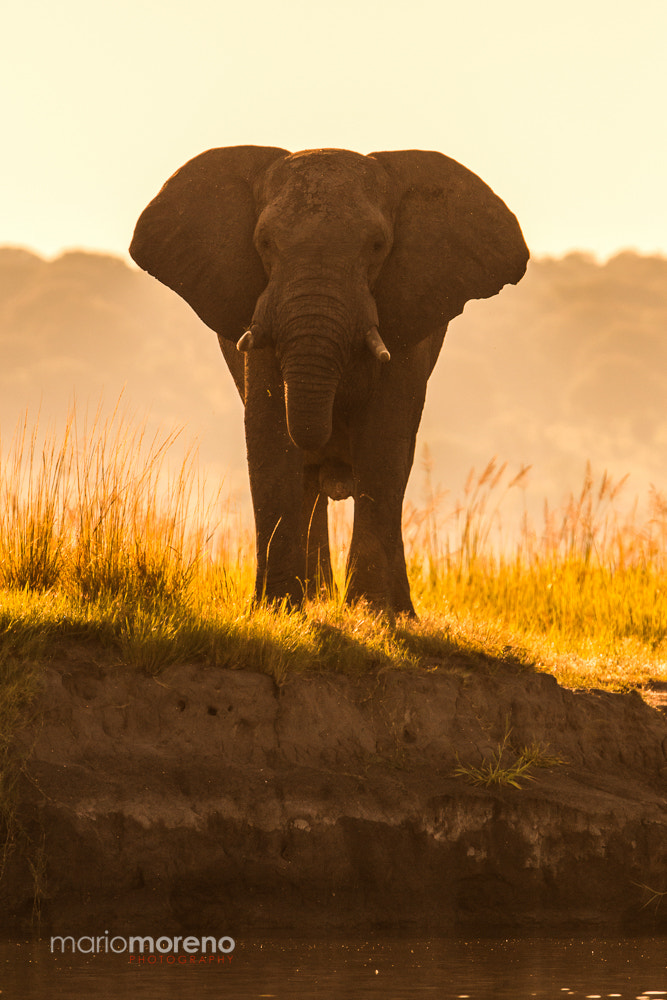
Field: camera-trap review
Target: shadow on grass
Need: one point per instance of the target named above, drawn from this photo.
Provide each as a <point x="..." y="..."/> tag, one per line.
<point x="150" y="636"/>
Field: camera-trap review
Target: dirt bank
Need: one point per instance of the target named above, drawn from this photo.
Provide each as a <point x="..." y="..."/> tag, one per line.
<point x="212" y="800"/>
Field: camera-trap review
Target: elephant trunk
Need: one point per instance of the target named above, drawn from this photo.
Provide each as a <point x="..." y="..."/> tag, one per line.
<point x="309" y="407"/>
<point x="314" y="336"/>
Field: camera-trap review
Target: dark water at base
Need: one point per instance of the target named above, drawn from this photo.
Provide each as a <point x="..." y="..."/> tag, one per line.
<point x="393" y="969"/>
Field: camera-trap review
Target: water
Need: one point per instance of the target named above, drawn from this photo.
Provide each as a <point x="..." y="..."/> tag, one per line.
<point x="345" y="969"/>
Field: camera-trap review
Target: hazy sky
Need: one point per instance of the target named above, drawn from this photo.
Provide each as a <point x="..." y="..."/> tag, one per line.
<point x="560" y="107"/>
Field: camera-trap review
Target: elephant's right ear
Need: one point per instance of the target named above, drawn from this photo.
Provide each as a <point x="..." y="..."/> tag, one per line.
<point x="196" y="236"/>
<point x="454" y="240"/>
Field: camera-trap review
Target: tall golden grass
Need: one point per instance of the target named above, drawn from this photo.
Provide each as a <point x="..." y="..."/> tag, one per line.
<point x="97" y="510"/>
<point x="110" y="535"/>
<point x="589" y="584"/>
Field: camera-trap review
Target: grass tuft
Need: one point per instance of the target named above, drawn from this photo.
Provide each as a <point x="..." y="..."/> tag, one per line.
<point x="507" y="766"/>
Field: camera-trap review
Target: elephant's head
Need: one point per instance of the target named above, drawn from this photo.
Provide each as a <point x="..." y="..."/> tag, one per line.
<point x="322" y="254"/>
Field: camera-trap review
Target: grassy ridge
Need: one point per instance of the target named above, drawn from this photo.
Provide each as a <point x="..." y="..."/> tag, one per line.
<point x="109" y="538"/>
<point x="585" y="595"/>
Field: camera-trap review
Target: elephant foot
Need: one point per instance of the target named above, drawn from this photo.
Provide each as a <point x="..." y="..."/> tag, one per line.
<point x="382" y="603"/>
<point x="277" y="604"/>
<point x="320" y="583"/>
<point x="276" y="594"/>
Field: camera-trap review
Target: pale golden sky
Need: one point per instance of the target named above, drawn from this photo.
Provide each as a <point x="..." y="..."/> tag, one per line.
<point x="560" y="107"/>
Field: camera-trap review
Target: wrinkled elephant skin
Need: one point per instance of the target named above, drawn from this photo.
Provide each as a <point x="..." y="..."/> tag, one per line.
<point x="329" y="278"/>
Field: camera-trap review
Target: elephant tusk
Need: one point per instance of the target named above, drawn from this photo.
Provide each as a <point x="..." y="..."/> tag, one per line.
<point x="246" y="342"/>
<point x="251" y="339"/>
<point x="376" y="345"/>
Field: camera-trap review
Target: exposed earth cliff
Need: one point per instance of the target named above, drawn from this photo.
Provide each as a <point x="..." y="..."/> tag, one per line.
<point x="213" y="800"/>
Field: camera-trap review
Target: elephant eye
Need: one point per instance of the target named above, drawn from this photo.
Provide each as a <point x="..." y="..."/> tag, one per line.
<point x="377" y="244"/>
<point x="263" y="243"/>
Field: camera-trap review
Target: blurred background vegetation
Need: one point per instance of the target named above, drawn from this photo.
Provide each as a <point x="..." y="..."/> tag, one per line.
<point x="566" y="368"/>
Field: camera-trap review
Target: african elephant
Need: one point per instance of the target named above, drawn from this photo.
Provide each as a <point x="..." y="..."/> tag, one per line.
<point x="329" y="278"/>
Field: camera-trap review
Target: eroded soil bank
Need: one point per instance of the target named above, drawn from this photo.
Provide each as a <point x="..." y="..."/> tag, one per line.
<point x="209" y="800"/>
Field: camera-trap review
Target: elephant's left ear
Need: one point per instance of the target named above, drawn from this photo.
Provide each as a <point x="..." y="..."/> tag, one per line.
<point x="454" y="240"/>
<point x="196" y="236"/>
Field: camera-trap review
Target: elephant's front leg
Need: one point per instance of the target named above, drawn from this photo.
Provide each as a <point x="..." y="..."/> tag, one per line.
<point x="275" y="467"/>
<point x="383" y="451"/>
<point x="376" y="562"/>
<point x="315" y="533"/>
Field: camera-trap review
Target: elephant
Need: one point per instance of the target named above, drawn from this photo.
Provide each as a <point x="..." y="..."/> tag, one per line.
<point x="329" y="277"/>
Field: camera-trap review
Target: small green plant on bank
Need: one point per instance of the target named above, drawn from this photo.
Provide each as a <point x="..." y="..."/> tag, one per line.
<point x="505" y="765"/>
<point x="495" y="771"/>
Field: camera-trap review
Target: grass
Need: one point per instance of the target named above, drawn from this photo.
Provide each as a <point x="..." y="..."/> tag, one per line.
<point x="112" y="538"/>
<point x="584" y="597"/>
<point x="508" y="765"/>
